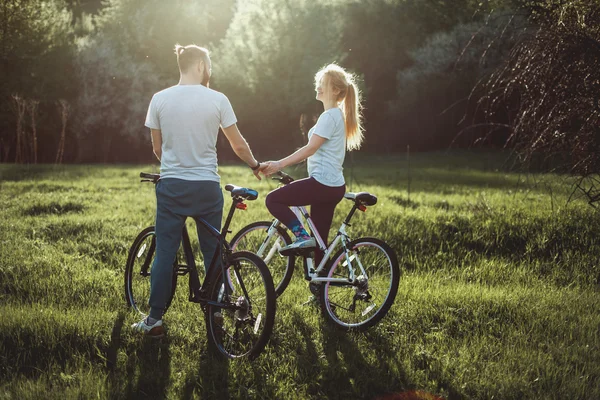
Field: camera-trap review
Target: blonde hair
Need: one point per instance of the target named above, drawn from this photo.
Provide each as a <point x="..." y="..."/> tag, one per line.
<point x="349" y="96"/>
<point x="189" y="55"/>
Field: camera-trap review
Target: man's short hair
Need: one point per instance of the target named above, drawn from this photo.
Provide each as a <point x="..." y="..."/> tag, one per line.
<point x="187" y="56"/>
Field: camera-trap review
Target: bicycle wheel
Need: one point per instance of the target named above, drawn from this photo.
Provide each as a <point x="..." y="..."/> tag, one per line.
<point x="364" y="302"/>
<point x="138" y="271"/>
<point x="255" y="239"/>
<point x="241" y="323"/>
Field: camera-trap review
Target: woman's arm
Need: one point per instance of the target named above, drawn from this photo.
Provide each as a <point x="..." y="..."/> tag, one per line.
<point x="299" y="155"/>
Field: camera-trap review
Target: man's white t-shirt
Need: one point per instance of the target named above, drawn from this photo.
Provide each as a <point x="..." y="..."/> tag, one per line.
<point x="326" y="164"/>
<point x="189" y="117"/>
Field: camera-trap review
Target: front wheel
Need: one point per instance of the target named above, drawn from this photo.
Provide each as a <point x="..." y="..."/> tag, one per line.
<point x="365" y="301"/>
<point x="241" y="309"/>
<point x="138" y="270"/>
<point x="265" y="241"/>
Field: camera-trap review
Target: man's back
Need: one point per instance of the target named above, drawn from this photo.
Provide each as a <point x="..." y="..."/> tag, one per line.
<point x="189" y="117"/>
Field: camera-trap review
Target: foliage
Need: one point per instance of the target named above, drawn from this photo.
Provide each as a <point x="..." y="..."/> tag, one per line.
<point x="36" y="47"/>
<point x="118" y="77"/>
<point x="548" y="89"/>
<point x="431" y="105"/>
<point x="267" y="61"/>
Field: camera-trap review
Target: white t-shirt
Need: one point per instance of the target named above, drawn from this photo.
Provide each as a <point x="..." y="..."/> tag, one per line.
<point x="326" y="164"/>
<point x="189" y="117"/>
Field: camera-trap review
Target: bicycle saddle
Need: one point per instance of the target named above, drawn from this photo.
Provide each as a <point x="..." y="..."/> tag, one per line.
<point x="245" y="193"/>
<point x="363" y="198"/>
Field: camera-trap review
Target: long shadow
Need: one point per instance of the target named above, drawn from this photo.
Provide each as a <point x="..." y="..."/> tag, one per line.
<point x="154" y="360"/>
<point x="212" y="380"/>
<point x="349" y="373"/>
<point x="149" y="358"/>
<point x="308" y="356"/>
<point x="115" y="376"/>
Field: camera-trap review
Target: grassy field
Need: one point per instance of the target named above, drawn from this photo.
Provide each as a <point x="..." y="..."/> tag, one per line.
<point x="499" y="296"/>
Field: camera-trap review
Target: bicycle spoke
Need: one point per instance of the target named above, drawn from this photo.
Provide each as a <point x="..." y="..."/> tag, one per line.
<point x="369" y="297"/>
<point x="244" y="328"/>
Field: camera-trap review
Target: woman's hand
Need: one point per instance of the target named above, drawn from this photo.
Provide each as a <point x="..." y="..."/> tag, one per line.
<point x="271" y="168"/>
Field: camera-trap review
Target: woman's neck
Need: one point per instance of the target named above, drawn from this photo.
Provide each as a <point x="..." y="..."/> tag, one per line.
<point x="329" y="104"/>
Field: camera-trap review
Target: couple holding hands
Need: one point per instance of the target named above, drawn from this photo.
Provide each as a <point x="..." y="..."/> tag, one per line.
<point x="184" y="121"/>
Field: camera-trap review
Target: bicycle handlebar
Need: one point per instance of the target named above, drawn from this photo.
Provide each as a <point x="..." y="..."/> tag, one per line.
<point x="283" y="178"/>
<point x="146" y="177"/>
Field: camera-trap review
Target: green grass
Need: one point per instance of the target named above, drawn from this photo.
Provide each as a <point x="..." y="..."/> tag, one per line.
<point x="499" y="294"/>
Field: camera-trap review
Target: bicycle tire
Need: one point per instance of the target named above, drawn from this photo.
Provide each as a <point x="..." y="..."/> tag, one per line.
<point x="137" y="285"/>
<point x="281" y="270"/>
<point x="374" y="296"/>
<point x="243" y="332"/>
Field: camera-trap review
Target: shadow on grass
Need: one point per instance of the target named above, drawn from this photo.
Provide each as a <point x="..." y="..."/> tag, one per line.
<point x="212" y="380"/>
<point x="150" y="357"/>
<point x="349" y="370"/>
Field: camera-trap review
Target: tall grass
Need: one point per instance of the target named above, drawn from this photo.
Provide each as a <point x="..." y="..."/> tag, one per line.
<point x="499" y="294"/>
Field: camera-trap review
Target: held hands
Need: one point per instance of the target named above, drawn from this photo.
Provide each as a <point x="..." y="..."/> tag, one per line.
<point x="267" y="168"/>
<point x="270" y="167"/>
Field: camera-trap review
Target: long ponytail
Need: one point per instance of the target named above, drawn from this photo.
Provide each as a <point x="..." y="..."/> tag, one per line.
<point x="353" y="117"/>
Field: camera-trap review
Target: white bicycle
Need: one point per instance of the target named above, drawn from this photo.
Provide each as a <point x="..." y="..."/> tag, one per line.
<point x="356" y="282"/>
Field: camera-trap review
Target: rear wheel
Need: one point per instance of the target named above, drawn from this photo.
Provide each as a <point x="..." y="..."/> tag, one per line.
<point x="365" y="301"/>
<point x="255" y="238"/>
<point x="138" y="271"/>
<point x="241" y="322"/>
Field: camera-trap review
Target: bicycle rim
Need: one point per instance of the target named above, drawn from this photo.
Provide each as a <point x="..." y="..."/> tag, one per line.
<point x="364" y="303"/>
<point x="138" y="270"/>
<point x="254" y="239"/>
<point x="242" y="324"/>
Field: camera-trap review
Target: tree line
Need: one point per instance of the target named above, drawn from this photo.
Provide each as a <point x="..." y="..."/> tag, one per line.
<point x="77" y="76"/>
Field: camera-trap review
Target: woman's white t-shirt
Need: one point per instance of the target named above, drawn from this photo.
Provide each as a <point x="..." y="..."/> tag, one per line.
<point x="326" y="164"/>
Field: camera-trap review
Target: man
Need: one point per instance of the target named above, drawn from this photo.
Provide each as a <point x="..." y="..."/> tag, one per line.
<point x="184" y="121"/>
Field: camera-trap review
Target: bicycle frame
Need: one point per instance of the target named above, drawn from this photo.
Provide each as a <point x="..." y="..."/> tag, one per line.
<point x="195" y="286"/>
<point x="312" y="274"/>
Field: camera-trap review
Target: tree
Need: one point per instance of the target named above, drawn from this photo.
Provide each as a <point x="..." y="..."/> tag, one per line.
<point x="36" y="44"/>
<point x="267" y="61"/>
<point x="551" y="86"/>
<point x="127" y="59"/>
<point x="432" y="104"/>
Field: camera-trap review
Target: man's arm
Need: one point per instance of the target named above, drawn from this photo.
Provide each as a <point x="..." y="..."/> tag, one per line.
<point x="156" y="142"/>
<point x="240" y="147"/>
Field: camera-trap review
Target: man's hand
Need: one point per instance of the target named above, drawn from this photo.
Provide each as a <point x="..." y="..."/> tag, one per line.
<point x="261" y="167"/>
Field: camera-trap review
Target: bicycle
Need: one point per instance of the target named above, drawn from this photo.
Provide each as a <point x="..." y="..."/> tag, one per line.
<point x="355" y="287"/>
<point x="237" y="297"/>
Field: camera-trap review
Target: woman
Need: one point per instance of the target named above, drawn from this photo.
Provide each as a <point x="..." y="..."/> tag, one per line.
<point x="337" y="129"/>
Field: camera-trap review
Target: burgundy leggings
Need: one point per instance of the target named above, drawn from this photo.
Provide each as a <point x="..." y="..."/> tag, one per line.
<point x="322" y="200"/>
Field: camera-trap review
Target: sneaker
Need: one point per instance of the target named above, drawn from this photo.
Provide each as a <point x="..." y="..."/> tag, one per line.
<point x="154" y="331"/>
<point x="299" y="244"/>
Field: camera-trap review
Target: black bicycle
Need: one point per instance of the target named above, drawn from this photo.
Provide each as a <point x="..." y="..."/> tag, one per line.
<point x="237" y="295"/>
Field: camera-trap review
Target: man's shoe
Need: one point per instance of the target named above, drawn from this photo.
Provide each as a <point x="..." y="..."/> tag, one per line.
<point x="154" y="331"/>
<point x="298" y="246"/>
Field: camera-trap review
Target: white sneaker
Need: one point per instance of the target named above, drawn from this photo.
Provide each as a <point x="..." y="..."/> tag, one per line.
<point x="155" y="331"/>
<point x="299" y="244"/>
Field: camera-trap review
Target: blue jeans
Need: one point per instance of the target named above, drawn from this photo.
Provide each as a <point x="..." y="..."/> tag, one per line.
<point x="177" y="199"/>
